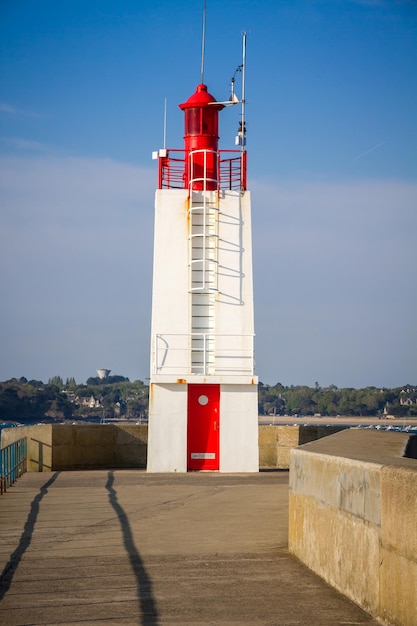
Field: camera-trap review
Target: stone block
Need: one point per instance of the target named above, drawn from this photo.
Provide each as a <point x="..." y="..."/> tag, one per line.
<point x="344" y="484"/>
<point x="94" y="435"/>
<point x="282" y="457"/>
<point x="353" y="520"/>
<point x="322" y="537"/>
<point x="131" y="455"/>
<point x="288" y="436"/>
<point x="399" y="510"/>
<point x="129" y="434"/>
<point x="39" y="441"/>
<point x="267" y="456"/>
<point x="63" y="434"/>
<point x="398" y="585"/>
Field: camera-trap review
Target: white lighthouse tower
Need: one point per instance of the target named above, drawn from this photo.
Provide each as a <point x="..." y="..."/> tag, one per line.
<point x="203" y="411"/>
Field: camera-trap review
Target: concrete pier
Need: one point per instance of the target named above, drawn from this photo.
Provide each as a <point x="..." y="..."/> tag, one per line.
<point x="353" y="512"/>
<point x="58" y="447"/>
<point x="114" y="547"/>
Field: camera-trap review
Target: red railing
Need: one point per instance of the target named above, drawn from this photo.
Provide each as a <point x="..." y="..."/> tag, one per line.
<point x="231" y="170"/>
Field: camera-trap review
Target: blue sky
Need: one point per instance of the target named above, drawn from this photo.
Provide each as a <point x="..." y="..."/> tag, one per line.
<point x="332" y="152"/>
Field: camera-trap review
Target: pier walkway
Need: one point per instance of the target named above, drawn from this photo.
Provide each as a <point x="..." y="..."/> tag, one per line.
<point x="126" y="547"/>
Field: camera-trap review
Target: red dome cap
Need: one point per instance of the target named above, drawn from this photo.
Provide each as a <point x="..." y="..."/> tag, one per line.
<point x="201" y="98"/>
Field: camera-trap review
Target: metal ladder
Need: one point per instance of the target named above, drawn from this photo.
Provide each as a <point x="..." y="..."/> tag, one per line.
<point x="203" y="276"/>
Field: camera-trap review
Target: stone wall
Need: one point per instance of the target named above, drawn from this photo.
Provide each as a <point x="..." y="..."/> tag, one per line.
<point x="275" y="442"/>
<point x="80" y="446"/>
<point x="352" y="519"/>
<point x="71" y="446"/>
<point x="39" y="442"/>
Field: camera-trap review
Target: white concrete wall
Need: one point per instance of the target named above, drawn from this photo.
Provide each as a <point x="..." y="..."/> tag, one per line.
<point x="171" y="302"/>
<point x="233" y="315"/>
<point x="235" y="263"/>
<point x="234" y="302"/>
<point x="167" y="439"/>
<point x="167" y="434"/>
<point x="239" y="428"/>
<point x="170" y="297"/>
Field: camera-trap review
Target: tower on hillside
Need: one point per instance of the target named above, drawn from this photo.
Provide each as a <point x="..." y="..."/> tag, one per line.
<point x="103" y="373"/>
<point x="203" y="411"/>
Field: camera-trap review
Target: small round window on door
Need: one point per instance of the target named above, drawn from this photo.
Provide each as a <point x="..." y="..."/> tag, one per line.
<point x="203" y="400"/>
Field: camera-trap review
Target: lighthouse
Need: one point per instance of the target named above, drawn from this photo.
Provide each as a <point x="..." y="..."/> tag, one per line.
<point x="203" y="397"/>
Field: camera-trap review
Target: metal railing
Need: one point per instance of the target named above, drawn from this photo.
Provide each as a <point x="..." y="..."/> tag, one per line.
<point x="13" y="463"/>
<point x="232" y="167"/>
<point x="232" y="170"/>
<point x="203" y="353"/>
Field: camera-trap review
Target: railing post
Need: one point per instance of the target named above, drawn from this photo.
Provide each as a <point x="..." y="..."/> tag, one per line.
<point x="13" y="463"/>
<point x="156" y="344"/>
<point x="1" y="471"/>
<point x="243" y="170"/>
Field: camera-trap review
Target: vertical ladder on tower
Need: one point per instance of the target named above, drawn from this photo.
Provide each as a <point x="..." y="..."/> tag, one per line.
<point x="203" y="275"/>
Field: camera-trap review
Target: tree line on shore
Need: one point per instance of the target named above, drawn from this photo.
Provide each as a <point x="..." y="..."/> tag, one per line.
<point x="369" y="401"/>
<point x="23" y="400"/>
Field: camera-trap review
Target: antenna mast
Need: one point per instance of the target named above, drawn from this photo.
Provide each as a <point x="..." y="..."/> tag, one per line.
<point x="203" y="42"/>
<point x="243" y="128"/>
<point x="165" y="123"/>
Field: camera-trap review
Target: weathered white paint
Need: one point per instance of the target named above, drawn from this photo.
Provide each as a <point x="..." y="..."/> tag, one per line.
<point x="239" y="428"/>
<point x="167" y="431"/>
<point x="170" y="297"/>
<point x="233" y="328"/>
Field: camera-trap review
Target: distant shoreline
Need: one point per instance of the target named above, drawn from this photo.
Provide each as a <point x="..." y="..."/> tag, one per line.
<point x="263" y="420"/>
<point x="340" y="420"/>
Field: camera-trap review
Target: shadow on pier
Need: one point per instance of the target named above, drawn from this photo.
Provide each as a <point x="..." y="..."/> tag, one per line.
<point x="11" y="566"/>
<point x="144" y="584"/>
<point x="114" y="547"/>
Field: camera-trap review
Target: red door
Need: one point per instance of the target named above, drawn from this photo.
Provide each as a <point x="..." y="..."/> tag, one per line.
<point x="203" y="427"/>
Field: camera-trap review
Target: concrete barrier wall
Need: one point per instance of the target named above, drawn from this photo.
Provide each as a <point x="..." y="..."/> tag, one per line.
<point x="70" y="447"/>
<point x="78" y="446"/>
<point x="39" y="440"/>
<point x="352" y="519"/>
<point x="275" y="442"/>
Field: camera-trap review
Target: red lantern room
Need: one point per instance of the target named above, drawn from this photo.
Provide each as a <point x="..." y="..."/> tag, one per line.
<point x="201" y="139"/>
